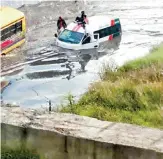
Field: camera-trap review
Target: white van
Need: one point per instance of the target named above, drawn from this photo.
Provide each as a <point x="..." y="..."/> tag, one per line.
<point x="97" y="33"/>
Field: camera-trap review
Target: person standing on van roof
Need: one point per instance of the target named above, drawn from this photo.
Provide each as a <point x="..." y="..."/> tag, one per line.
<point x="80" y="19"/>
<point x="61" y="23"/>
<point x="82" y="15"/>
<point x="85" y="19"/>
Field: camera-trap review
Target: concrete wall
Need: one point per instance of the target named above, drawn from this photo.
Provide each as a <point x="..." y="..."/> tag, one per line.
<point x="68" y="143"/>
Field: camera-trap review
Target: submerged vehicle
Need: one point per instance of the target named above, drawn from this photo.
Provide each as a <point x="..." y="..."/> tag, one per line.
<point x="96" y="34"/>
<point x="12" y="28"/>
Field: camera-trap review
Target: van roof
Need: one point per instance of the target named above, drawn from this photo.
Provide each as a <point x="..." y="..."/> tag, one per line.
<point x="9" y="15"/>
<point x="98" y="22"/>
<point x="95" y="23"/>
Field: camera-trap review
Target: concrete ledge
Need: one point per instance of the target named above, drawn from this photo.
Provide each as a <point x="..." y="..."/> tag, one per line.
<point x="76" y="135"/>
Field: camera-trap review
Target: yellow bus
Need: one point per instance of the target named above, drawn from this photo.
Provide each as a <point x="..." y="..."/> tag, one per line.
<point x="13" y="28"/>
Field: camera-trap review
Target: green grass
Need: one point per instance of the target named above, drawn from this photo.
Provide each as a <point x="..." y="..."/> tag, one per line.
<point x="18" y="153"/>
<point x="131" y="94"/>
<point x="154" y="58"/>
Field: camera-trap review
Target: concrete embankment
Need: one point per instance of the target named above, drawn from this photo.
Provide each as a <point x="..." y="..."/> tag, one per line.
<point x="68" y="136"/>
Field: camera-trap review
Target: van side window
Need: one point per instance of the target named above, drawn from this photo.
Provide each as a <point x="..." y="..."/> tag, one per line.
<point x="95" y="36"/>
<point x="103" y="32"/>
<point x="115" y="28"/>
<point x="86" y="39"/>
<point x="108" y="31"/>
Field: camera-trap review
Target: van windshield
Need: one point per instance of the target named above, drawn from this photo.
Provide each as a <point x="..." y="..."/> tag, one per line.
<point x="71" y="36"/>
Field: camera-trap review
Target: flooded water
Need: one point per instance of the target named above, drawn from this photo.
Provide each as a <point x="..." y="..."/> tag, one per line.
<point x="40" y="72"/>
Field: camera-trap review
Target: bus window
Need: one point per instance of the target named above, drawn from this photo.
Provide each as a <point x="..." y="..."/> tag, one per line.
<point x="13" y="29"/>
<point x="4" y="34"/>
<point x="18" y="26"/>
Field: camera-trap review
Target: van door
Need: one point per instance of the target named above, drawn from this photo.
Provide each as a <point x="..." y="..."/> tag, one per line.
<point x="89" y="43"/>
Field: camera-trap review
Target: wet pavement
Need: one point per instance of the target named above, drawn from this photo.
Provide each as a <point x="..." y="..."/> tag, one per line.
<point x="40" y="71"/>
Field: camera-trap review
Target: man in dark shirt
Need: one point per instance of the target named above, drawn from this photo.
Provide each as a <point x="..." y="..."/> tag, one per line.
<point x="61" y="23"/>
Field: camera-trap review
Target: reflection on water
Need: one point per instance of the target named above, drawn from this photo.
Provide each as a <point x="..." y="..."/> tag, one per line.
<point x="63" y="63"/>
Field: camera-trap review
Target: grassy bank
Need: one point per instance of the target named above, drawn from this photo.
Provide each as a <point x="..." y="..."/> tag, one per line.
<point x="132" y="94"/>
<point x="19" y="153"/>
